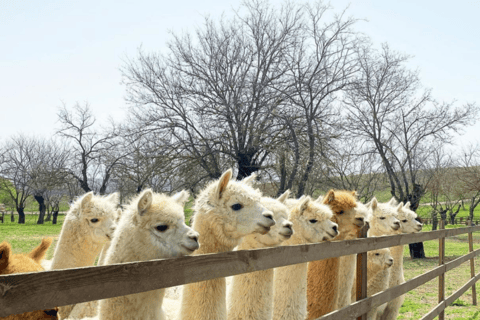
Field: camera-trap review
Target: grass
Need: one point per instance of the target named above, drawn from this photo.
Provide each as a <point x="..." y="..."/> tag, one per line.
<point x="418" y="302"/>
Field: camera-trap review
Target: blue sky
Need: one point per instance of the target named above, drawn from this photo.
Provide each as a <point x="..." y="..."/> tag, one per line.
<point x="56" y="51"/>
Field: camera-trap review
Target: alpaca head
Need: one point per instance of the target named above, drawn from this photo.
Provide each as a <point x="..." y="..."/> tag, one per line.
<point x="312" y="221"/>
<point x="282" y="230"/>
<point x="349" y="216"/>
<point x="407" y="217"/>
<point x="231" y="210"/>
<point x="96" y="215"/>
<point x="19" y="263"/>
<point x="384" y="218"/>
<point x="380" y="259"/>
<point x="159" y="223"/>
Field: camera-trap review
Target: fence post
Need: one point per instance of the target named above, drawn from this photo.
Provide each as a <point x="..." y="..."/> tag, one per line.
<point x="362" y="271"/>
<point x="441" y="278"/>
<point x="472" y="267"/>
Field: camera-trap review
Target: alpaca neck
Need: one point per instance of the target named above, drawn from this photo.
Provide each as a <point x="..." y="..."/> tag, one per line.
<point x="290" y="300"/>
<point x="251" y="294"/>
<point x="212" y="237"/>
<point x="75" y="247"/>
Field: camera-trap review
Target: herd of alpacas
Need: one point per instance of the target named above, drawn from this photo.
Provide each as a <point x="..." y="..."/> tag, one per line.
<point x="228" y="215"/>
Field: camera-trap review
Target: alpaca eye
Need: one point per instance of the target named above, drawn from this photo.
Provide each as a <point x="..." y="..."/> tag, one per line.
<point x="94" y="220"/>
<point x="341" y="212"/>
<point x="404" y="221"/>
<point x="161" y="228"/>
<point x="313" y="220"/>
<point x="382" y="218"/>
<point x="236" y="207"/>
<point x="377" y="254"/>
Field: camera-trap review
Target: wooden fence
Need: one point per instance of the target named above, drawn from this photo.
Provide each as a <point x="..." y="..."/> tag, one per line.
<point x="42" y="290"/>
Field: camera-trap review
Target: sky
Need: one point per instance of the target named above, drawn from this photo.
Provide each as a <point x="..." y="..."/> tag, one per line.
<point x="62" y="52"/>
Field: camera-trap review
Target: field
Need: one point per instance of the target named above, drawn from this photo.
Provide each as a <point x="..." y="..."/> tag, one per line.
<point x="417" y="302"/>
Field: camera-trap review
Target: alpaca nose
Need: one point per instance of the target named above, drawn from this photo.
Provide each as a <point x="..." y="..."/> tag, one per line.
<point x="335" y="228"/>
<point x="390" y="261"/>
<point x="288" y="225"/>
<point x="193" y="236"/>
<point x="359" y="222"/>
<point x="268" y="215"/>
<point x="396" y="225"/>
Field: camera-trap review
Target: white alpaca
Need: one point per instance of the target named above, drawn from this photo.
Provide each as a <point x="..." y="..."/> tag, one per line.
<point x="409" y="224"/>
<point x="152" y="227"/>
<point x="251" y="294"/>
<point x="378" y="274"/>
<point x="311" y="224"/>
<point x="88" y="226"/>
<point x="225" y="212"/>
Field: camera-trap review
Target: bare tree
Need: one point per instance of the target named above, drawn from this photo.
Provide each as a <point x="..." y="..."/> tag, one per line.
<point x="94" y="153"/>
<point x="401" y="123"/>
<point x="469" y="176"/>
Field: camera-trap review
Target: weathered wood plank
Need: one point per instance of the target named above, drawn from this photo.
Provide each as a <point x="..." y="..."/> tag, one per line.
<point x="32" y="291"/>
<point x="361" y="285"/>
<point x="472" y="268"/>
<point x="360" y="307"/>
<point x="441" y="278"/>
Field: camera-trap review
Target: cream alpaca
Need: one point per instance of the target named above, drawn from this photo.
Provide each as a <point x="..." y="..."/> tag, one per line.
<point x="88" y="226"/>
<point x="408" y="225"/>
<point x="378" y="274"/>
<point x="152" y="227"/>
<point x="225" y="212"/>
<point x="311" y="224"/>
<point x="251" y="294"/>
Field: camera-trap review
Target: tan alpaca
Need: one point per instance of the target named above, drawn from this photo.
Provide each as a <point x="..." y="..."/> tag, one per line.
<point x="88" y="226"/>
<point x="152" y="227"/>
<point x="311" y="224"/>
<point x="251" y="294"/>
<point x="330" y="281"/>
<point x="378" y="275"/>
<point x="20" y="263"/>
<point x="225" y="212"/>
<point x="408" y="224"/>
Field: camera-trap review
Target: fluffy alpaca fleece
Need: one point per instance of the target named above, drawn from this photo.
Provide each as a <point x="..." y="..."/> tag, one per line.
<point x="152" y="227"/>
<point x="330" y="281"/>
<point x="88" y="226"/>
<point x="311" y="224"/>
<point x="251" y="294"/>
<point x="378" y="274"/>
<point x="224" y="212"/>
<point x="19" y="263"/>
<point x="408" y="224"/>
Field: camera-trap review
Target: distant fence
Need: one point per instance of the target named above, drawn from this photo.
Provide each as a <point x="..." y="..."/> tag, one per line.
<point x="42" y="290"/>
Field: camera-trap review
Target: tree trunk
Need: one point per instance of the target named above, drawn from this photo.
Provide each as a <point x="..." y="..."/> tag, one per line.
<point x="417" y="250"/>
<point x="41" y="208"/>
<point x="21" y="215"/>
<point x="434" y="220"/>
<point x="12" y="217"/>
<point x="55" y="215"/>
<point x="311" y="158"/>
<point x="246" y="165"/>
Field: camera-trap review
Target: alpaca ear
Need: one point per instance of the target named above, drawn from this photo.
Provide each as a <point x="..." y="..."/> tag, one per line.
<point x="330" y="197"/>
<point x="284" y="196"/>
<point x="355" y="194"/>
<point x="86" y="199"/>
<point x="399" y="207"/>
<point x="181" y="197"/>
<point x="223" y="182"/>
<point x="303" y="203"/>
<point x="39" y="252"/>
<point x="5" y="250"/>
<point x="250" y="180"/>
<point x="118" y="215"/>
<point x="392" y="202"/>
<point x="407" y="205"/>
<point x="320" y="199"/>
<point x="373" y="203"/>
<point x="145" y="202"/>
<point x="114" y="198"/>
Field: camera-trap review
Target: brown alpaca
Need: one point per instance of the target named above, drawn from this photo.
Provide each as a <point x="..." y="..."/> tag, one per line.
<point x="19" y="263"/>
<point x="326" y="278"/>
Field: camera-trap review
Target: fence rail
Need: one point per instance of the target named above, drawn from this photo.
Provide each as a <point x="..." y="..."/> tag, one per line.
<point x="41" y="290"/>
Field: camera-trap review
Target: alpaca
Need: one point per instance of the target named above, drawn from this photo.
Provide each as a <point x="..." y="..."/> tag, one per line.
<point x="409" y="224"/>
<point x="311" y="223"/>
<point x="19" y="263"/>
<point x="251" y="294"/>
<point x="378" y="274"/>
<point x="330" y="281"/>
<point x="152" y="227"/>
<point x="88" y="226"/>
<point x="224" y="212"/>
